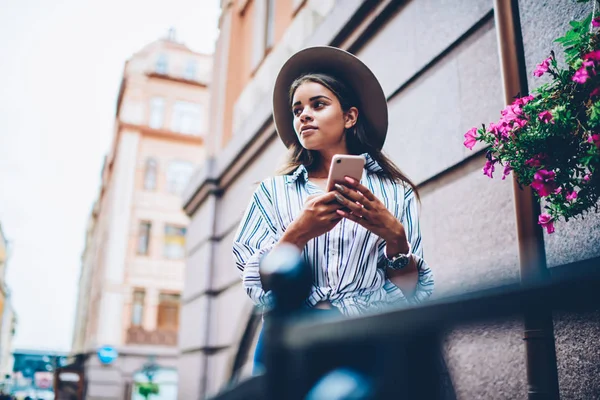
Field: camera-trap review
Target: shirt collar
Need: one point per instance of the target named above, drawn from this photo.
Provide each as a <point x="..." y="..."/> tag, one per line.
<point x="371" y="166"/>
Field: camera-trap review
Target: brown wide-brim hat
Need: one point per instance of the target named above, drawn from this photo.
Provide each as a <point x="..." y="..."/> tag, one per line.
<point x="343" y="66"/>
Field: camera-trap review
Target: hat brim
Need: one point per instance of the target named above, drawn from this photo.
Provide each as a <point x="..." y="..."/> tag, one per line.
<point x="342" y="65"/>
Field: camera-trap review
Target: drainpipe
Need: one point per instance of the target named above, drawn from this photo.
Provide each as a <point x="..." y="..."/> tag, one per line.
<point x="538" y="335"/>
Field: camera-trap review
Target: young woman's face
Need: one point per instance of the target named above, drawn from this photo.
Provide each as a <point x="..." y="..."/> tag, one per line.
<point x="319" y="120"/>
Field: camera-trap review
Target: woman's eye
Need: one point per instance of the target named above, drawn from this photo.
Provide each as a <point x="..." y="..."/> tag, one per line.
<point x="318" y="104"/>
<point x="297" y="111"/>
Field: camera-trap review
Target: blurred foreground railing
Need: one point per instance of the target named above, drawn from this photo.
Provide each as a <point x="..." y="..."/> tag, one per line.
<point x="390" y="355"/>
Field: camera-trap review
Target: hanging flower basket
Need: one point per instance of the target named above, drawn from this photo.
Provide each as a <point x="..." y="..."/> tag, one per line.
<point x="551" y="138"/>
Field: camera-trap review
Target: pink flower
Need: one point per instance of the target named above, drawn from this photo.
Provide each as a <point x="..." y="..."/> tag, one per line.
<point x="595" y="140"/>
<point x="571" y="196"/>
<point x="506" y="171"/>
<point x="588" y="64"/>
<point x="512" y="111"/>
<point x="502" y="129"/>
<point x="543" y="182"/>
<point x="523" y="100"/>
<point x="558" y="190"/>
<point x="595" y="92"/>
<point x="581" y="76"/>
<point x="489" y="168"/>
<point x="546" y="116"/>
<point x="596" y="22"/>
<point x="594" y="55"/>
<point x="543" y="67"/>
<point x="470" y="138"/>
<point x="546" y="221"/>
<point x="537" y="160"/>
<point x="519" y="123"/>
<point x="586" y="178"/>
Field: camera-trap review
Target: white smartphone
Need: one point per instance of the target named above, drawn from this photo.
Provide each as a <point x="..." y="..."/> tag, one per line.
<point x="344" y="165"/>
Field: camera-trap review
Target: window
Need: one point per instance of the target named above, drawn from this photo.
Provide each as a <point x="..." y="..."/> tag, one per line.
<point x="137" y="307"/>
<point x="270" y="34"/>
<point x="168" y="311"/>
<point x="162" y="64"/>
<point x="174" y="242"/>
<point x="187" y="118"/>
<point x="264" y="30"/>
<point x="157" y="112"/>
<point x="190" y="70"/>
<point x="144" y="238"/>
<point x="178" y="176"/>
<point x="150" y="174"/>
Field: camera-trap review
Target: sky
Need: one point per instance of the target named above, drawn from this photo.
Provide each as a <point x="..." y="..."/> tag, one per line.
<point x="61" y="64"/>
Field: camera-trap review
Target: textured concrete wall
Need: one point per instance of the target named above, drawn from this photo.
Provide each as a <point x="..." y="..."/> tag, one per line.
<point x="487" y="361"/>
<point x="577" y="335"/>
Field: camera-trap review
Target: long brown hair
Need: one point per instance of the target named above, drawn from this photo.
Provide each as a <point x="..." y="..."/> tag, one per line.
<point x="357" y="138"/>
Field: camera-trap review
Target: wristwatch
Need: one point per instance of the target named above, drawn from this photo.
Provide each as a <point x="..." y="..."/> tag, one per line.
<point x="399" y="261"/>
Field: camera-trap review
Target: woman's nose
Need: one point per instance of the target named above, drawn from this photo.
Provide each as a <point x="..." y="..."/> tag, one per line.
<point x="305" y="116"/>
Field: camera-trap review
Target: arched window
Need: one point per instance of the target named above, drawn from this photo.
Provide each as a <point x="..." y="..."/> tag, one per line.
<point x="150" y="174"/>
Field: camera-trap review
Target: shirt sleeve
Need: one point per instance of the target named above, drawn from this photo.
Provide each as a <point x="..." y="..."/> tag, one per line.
<point x="256" y="236"/>
<point x="410" y="221"/>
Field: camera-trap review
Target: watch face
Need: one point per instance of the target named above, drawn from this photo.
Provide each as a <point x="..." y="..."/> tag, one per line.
<point x="401" y="261"/>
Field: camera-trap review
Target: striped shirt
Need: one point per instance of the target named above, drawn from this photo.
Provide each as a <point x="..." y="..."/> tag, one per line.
<point x="348" y="263"/>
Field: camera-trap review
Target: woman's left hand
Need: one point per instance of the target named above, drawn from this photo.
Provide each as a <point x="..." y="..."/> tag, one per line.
<point x="368" y="211"/>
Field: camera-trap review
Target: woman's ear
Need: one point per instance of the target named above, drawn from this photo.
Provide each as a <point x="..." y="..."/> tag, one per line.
<point x="350" y="117"/>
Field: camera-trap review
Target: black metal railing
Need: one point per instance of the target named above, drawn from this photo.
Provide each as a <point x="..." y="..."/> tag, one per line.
<point x="390" y="355"/>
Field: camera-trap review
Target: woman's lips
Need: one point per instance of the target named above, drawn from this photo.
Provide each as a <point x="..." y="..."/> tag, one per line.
<point x="308" y="132"/>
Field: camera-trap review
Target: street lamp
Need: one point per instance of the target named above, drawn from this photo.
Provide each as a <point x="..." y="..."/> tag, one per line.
<point x="150" y="368"/>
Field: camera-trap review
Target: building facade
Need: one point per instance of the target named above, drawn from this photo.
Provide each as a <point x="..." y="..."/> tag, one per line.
<point x="132" y="266"/>
<point x="439" y="67"/>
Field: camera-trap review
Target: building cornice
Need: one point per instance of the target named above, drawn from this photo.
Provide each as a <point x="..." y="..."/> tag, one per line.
<point x="170" y="78"/>
<point x="164" y="134"/>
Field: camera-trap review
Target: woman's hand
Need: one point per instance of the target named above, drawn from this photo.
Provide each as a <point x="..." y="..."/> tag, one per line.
<point x="318" y="216"/>
<point x="368" y="211"/>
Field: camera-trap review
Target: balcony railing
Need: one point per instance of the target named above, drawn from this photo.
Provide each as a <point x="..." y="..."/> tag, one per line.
<point x="159" y="337"/>
<point x="391" y="355"/>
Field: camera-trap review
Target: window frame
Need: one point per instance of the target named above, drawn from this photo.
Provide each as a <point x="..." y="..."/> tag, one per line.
<point x="166" y="245"/>
<point x="187" y="111"/>
<point x="172" y="169"/>
<point x="164" y="307"/>
<point x="150" y="174"/>
<point x="142" y="306"/>
<point x="190" y="65"/>
<point x="158" y="107"/>
<point x="148" y="235"/>
<point x="161" y="66"/>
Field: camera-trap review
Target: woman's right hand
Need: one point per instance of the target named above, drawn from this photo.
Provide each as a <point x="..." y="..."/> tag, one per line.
<point x="316" y="218"/>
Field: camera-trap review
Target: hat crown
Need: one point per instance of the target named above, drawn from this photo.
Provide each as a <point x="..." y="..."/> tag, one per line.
<point x="343" y="66"/>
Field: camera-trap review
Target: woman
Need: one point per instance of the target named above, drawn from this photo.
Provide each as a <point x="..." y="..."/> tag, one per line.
<point x="358" y="237"/>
